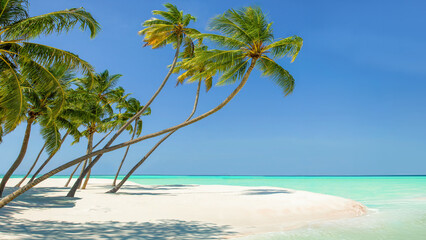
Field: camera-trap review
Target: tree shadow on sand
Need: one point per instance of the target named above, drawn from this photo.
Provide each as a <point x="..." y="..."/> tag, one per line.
<point x="165" y="229"/>
<point x="153" y="190"/>
<point x="266" y="191"/>
<point x="27" y="229"/>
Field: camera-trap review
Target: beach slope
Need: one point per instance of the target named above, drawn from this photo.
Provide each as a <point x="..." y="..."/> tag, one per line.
<point x="165" y="211"/>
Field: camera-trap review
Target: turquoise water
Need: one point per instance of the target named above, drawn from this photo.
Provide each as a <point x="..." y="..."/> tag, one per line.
<point x="397" y="204"/>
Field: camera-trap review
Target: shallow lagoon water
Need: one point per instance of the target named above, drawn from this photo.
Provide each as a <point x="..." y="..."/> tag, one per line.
<point x="397" y="204"/>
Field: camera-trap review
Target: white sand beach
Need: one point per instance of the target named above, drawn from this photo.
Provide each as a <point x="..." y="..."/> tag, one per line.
<point x="165" y="211"/>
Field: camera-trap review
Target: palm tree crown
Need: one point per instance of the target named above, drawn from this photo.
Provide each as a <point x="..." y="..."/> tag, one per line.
<point x="172" y="29"/>
<point x="247" y="35"/>
<point x="193" y="70"/>
<point x="19" y="57"/>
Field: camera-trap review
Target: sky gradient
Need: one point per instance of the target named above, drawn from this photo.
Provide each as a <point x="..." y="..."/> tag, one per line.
<point x="358" y="107"/>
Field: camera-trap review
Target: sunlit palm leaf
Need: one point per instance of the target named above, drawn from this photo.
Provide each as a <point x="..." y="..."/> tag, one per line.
<point x="55" y="22"/>
<point x="278" y="74"/>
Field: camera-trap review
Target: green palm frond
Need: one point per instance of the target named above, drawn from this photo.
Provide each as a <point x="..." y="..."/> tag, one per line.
<point x="155" y="21"/>
<point x="188" y="48"/>
<point x="232" y="24"/>
<point x="196" y="67"/>
<point x="286" y="47"/>
<point x="228" y="42"/>
<point x="170" y="30"/>
<point x="11" y="96"/>
<point x="52" y="137"/>
<point x="44" y="81"/>
<point x="78" y="115"/>
<point x="247" y="35"/>
<point x="233" y="73"/>
<point x="187" y="18"/>
<point x="278" y="74"/>
<point x="139" y="128"/>
<point x="69" y="125"/>
<point x="215" y="61"/>
<point x="48" y="56"/>
<point x="1" y="133"/>
<point x="12" y="11"/>
<point x="208" y="83"/>
<point x="55" y="22"/>
<point x="173" y="14"/>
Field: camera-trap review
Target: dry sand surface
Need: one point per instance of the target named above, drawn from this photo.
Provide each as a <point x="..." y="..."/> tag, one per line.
<point x="165" y="211"/>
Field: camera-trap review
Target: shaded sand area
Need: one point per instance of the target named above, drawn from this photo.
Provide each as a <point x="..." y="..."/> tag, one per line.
<point x="165" y="211"/>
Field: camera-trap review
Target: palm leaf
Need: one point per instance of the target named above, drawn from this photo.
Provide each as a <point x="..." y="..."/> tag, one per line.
<point x="13" y="11"/>
<point x="52" y="137"/>
<point x="54" y="22"/>
<point x="286" y="47"/>
<point x="11" y="97"/>
<point x="47" y="56"/>
<point x="278" y="74"/>
<point x="233" y="73"/>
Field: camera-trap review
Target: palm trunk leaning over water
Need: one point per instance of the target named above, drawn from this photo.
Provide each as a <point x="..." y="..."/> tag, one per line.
<point x="72" y="191"/>
<point x="125" y="154"/>
<point x="116" y="188"/>
<point x="30" y="185"/>
<point x="49" y="158"/>
<point x="32" y="167"/>
<point x="20" y="157"/>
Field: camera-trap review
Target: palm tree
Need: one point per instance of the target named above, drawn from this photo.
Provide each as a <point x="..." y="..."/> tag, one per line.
<point x="132" y="107"/>
<point x="65" y="76"/>
<point x="248" y="37"/>
<point x="188" y="71"/>
<point x="67" y="121"/>
<point x="173" y="28"/>
<point x="98" y="102"/>
<point x="39" y="104"/>
<point x="44" y="163"/>
<point x="18" y="55"/>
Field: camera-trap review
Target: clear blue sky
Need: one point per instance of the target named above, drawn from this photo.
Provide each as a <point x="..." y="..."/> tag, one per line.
<point x="359" y="106"/>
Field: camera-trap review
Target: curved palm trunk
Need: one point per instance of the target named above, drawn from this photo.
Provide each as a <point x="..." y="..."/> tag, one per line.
<point x="30" y="185"/>
<point x="20" y="157"/>
<point x="116" y="188"/>
<point x="32" y="167"/>
<point x="89" y="150"/>
<point x="72" y="174"/>
<point x="78" y="165"/>
<point x="49" y="158"/>
<point x="125" y="155"/>
<point x="72" y="191"/>
<point x="97" y="144"/>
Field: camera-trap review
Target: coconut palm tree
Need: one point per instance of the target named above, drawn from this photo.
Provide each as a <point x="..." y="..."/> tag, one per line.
<point x="17" y="54"/>
<point x="51" y="155"/>
<point x="132" y="107"/>
<point x="98" y="101"/>
<point x="39" y="104"/>
<point x="172" y="29"/>
<point x="248" y="36"/>
<point x="189" y="70"/>
<point x="67" y="121"/>
<point x="65" y="76"/>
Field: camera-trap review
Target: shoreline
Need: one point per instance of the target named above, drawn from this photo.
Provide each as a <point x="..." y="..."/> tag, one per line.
<point x="190" y="211"/>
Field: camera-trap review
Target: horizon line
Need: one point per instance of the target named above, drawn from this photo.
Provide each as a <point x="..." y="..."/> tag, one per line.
<point x="218" y="175"/>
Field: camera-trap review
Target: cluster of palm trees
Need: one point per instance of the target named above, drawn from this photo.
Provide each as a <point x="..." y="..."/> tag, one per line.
<point x="246" y="40"/>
